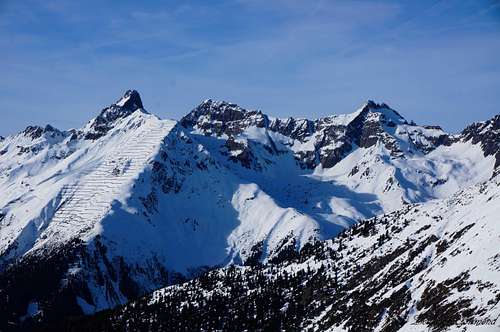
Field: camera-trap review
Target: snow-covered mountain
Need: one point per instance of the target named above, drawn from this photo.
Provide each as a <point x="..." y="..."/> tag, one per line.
<point x="130" y="203"/>
<point x="427" y="267"/>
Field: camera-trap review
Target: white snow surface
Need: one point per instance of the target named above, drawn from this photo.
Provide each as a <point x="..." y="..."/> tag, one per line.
<point x="456" y="244"/>
<point x="199" y="208"/>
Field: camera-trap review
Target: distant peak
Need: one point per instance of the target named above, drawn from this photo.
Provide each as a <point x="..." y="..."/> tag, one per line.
<point x="37" y="131"/>
<point x="217" y="110"/>
<point x="211" y="113"/>
<point x="371" y="106"/>
<point x="131" y="100"/>
<point x="208" y="101"/>
<point x="125" y="106"/>
<point x="217" y="104"/>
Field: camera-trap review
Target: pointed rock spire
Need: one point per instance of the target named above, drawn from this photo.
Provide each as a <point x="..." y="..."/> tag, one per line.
<point x="131" y="100"/>
<point x="128" y="104"/>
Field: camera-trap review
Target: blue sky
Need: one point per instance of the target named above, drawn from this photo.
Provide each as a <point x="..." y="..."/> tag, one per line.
<point x="437" y="62"/>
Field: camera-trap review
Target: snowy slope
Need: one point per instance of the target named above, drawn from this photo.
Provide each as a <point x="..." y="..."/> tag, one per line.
<point x="71" y="195"/>
<point x="130" y="203"/>
<point x="60" y="189"/>
<point x="341" y="168"/>
<point x="430" y="266"/>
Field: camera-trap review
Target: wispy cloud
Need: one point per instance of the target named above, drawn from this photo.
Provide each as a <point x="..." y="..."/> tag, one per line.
<point x="65" y="59"/>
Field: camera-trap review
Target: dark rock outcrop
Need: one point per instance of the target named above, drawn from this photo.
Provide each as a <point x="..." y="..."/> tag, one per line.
<point x="218" y="118"/>
<point x="128" y="104"/>
<point x="332" y="137"/>
<point x="486" y="134"/>
<point x="35" y="132"/>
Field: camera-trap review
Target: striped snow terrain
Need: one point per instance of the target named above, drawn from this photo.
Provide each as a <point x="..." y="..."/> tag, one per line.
<point x="87" y="201"/>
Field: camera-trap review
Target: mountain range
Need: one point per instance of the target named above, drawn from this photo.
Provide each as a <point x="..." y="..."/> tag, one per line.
<point x="362" y="221"/>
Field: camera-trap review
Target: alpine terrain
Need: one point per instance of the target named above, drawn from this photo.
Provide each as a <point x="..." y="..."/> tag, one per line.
<point x="230" y="219"/>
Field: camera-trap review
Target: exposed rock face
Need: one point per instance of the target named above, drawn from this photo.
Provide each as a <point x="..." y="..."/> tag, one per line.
<point x="35" y="132"/>
<point x="298" y="129"/>
<point x="240" y="152"/>
<point x="34" y="139"/>
<point x="129" y="103"/>
<point x="364" y="130"/>
<point x="486" y="134"/>
<point x="331" y="138"/>
<point x="131" y="100"/>
<point x="219" y="118"/>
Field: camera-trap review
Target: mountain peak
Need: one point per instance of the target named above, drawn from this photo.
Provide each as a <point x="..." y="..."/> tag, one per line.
<point x="131" y="100"/>
<point x="222" y="117"/>
<point x="218" y="112"/>
<point x="37" y="131"/>
<point x="214" y="105"/>
<point x="128" y="104"/>
<point x="371" y="106"/>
